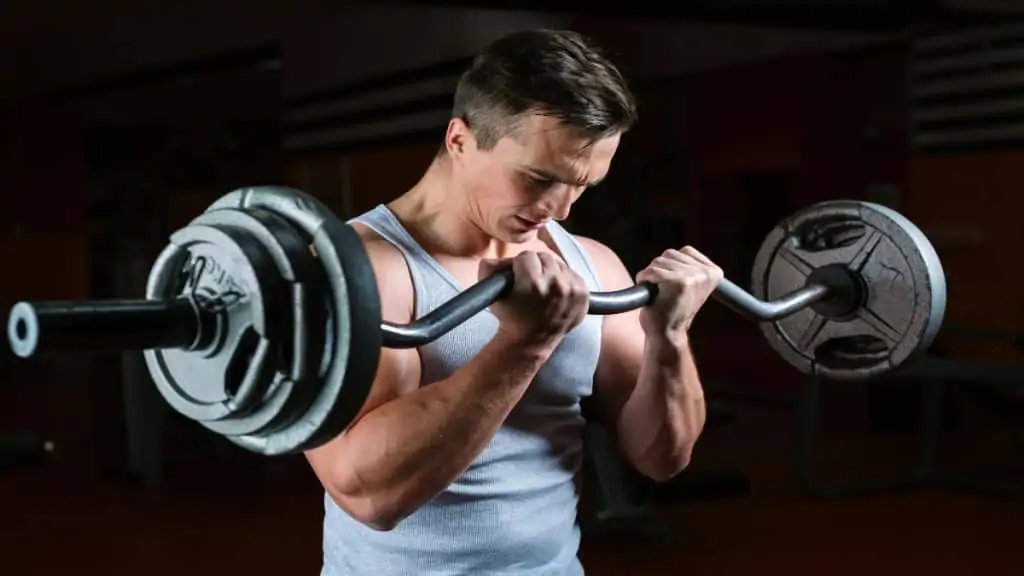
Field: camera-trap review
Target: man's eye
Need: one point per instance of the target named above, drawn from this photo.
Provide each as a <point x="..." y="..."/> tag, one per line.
<point x="539" y="182"/>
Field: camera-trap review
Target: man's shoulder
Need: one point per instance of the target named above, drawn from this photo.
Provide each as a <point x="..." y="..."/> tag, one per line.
<point x="376" y="245"/>
<point x="611" y="271"/>
<point x="390" y="268"/>
<point x="599" y="252"/>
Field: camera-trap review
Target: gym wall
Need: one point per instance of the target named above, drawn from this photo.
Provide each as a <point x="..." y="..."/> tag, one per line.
<point x="353" y="182"/>
<point x="93" y="184"/>
<point x="44" y="252"/>
<point x="42" y="202"/>
<point x="966" y="171"/>
<point x="973" y="205"/>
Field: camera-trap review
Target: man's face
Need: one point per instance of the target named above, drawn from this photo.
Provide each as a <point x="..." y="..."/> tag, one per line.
<point x="532" y="177"/>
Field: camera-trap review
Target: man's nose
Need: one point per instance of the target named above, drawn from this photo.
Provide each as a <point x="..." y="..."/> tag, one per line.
<point x="559" y="204"/>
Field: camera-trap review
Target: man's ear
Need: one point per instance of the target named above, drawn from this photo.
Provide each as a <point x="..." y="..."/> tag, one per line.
<point x="458" y="139"/>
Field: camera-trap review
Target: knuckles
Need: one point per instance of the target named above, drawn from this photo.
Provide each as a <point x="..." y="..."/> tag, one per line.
<point x="579" y="288"/>
<point x="567" y="283"/>
<point x="552" y="278"/>
<point x="692" y="280"/>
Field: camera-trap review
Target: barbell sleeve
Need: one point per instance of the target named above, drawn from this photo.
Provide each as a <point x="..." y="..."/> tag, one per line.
<point x="42" y="327"/>
<point x="478" y="297"/>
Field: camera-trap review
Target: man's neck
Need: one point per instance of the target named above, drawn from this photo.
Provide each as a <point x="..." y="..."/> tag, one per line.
<point x="437" y="212"/>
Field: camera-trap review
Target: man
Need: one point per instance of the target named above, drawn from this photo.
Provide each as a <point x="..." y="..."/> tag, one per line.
<point x="464" y="459"/>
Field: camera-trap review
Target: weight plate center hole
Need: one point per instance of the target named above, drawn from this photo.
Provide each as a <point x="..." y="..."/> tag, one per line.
<point x="847" y="292"/>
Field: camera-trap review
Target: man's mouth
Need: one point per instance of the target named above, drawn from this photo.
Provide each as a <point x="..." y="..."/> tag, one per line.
<point x="529" y="223"/>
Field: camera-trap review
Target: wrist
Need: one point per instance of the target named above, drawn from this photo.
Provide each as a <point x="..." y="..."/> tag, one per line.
<point x="523" y="346"/>
<point x="668" y="354"/>
<point x="668" y="339"/>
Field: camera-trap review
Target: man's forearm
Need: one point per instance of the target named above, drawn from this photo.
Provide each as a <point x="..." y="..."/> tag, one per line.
<point x="665" y="413"/>
<point x="410" y="449"/>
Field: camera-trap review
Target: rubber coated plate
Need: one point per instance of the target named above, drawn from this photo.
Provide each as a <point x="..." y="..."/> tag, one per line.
<point x="901" y="281"/>
<point x="299" y="348"/>
<point x="230" y="274"/>
<point x="349" y="364"/>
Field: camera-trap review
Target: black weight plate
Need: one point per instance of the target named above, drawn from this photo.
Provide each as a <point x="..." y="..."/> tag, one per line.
<point x="902" y="289"/>
<point x="354" y="311"/>
<point x="301" y="343"/>
<point x="367" y="337"/>
<point x="230" y="274"/>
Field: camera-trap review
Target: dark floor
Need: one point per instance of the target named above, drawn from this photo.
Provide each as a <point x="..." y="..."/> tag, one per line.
<point x="216" y="519"/>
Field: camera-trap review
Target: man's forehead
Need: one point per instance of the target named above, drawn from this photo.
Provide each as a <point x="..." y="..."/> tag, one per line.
<point x="562" y="144"/>
<point x="549" y="147"/>
<point x="545" y="132"/>
<point x="558" y="154"/>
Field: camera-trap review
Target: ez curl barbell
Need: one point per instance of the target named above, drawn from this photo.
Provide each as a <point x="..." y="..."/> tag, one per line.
<point x="247" y="331"/>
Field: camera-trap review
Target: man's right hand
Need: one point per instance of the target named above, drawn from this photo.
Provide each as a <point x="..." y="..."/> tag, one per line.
<point x="547" y="300"/>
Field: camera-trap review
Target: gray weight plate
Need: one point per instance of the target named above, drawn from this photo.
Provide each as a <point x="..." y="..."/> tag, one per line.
<point x="301" y="340"/>
<point x="367" y="337"/>
<point x="229" y="274"/>
<point x="899" y="288"/>
<point x="349" y="364"/>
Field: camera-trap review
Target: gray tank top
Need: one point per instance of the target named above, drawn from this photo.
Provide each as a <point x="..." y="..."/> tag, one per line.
<point x="514" y="509"/>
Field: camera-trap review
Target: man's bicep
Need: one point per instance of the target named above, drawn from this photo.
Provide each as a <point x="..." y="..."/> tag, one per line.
<point x="397" y="374"/>
<point x="398" y="370"/>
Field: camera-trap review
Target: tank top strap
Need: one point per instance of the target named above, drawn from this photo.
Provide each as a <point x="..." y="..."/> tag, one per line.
<point x="424" y="270"/>
<point x="575" y="255"/>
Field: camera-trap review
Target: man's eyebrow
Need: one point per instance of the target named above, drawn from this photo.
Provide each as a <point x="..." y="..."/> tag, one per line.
<point x="546" y="175"/>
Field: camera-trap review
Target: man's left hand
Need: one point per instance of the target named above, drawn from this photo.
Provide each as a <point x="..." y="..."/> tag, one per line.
<point x="685" y="279"/>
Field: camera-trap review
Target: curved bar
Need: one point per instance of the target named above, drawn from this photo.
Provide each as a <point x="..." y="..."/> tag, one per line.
<point x="742" y="302"/>
<point x="447" y="316"/>
<point x="484" y="293"/>
<point x="603" y="303"/>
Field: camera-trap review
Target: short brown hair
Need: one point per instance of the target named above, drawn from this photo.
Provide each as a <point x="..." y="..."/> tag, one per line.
<point x="556" y="73"/>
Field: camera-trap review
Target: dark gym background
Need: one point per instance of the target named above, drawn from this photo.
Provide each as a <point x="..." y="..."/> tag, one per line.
<point x="123" y="120"/>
